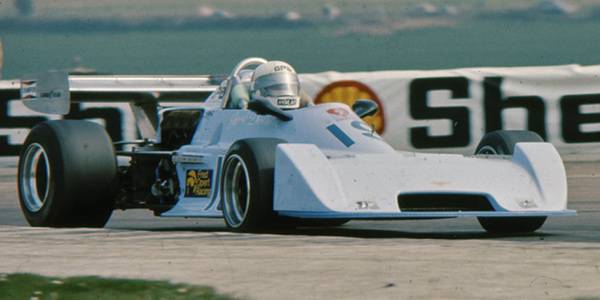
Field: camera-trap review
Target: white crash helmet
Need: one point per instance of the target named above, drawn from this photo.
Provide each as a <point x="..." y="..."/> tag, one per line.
<point x="277" y="82"/>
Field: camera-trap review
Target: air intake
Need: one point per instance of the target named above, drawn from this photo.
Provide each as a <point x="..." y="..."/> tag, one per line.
<point x="443" y="202"/>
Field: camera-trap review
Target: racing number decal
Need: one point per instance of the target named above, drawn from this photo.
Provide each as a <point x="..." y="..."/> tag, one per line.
<point x="198" y="183"/>
<point x="348" y="91"/>
<point x="340" y="135"/>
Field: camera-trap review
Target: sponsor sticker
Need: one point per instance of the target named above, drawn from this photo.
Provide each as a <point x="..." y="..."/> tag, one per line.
<point x="198" y="183"/>
<point x="339" y="113"/>
<point x="29" y="89"/>
<point x="282" y="68"/>
<point x="52" y="95"/>
<point x="286" y="101"/>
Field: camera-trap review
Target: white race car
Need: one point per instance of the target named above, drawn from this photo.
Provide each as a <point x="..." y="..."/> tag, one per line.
<point x="260" y="167"/>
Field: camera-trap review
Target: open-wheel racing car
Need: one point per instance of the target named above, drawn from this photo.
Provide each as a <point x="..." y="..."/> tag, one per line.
<point x="261" y="166"/>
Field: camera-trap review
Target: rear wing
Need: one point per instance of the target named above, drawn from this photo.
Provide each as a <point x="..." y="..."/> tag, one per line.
<point x="53" y="92"/>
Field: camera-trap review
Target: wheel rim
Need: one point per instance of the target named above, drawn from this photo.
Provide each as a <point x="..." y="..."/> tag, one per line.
<point x="489" y="150"/>
<point x="236" y="191"/>
<point x="35" y="177"/>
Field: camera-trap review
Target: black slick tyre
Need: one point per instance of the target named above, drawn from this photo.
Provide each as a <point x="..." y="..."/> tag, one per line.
<point x="67" y="175"/>
<point x="247" y="185"/>
<point x="503" y="143"/>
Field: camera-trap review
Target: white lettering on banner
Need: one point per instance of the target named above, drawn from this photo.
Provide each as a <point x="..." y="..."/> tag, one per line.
<point x="451" y="110"/>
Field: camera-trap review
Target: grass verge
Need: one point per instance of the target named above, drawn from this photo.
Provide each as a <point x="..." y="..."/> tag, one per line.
<point x="28" y="286"/>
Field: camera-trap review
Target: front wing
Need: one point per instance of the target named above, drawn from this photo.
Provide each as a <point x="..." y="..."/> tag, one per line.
<point x="308" y="184"/>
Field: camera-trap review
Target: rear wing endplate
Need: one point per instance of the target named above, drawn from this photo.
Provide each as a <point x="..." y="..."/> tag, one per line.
<point x="46" y="92"/>
<point x="52" y="92"/>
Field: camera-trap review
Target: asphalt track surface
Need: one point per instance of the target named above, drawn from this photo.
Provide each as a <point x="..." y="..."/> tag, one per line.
<point x="442" y="259"/>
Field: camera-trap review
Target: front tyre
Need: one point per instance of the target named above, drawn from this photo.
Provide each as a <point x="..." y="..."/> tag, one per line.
<point x="511" y="224"/>
<point x="503" y="143"/>
<point x="67" y="175"/>
<point x="247" y="185"/>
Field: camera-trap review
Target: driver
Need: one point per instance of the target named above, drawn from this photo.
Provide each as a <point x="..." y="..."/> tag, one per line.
<point x="276" y="82"/>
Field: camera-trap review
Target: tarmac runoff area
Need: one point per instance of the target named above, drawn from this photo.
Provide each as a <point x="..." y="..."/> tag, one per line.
<point x="561" y="261"/>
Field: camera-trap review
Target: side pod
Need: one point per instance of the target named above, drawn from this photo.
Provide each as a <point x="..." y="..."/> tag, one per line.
<point x="301" y="188"/>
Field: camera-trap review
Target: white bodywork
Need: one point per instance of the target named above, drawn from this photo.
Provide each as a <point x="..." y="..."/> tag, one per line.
<point x="350" y="172"/>
<point x="367" y="186"/>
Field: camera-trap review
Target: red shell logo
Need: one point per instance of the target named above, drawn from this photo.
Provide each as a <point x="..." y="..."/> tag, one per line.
<point x="342" y="113"/>
<point x="348" y="91"/>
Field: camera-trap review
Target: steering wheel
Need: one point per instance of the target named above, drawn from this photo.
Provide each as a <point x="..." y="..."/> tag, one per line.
<point x="236" y="70"/>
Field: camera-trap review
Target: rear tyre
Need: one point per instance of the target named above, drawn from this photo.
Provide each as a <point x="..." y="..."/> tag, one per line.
<point x="67" y="175"/>
<point x="503" y="143"/>
<point x="247" y="185"/>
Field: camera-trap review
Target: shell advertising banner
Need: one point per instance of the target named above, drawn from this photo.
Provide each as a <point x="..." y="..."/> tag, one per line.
<point x="432" y="111"/>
